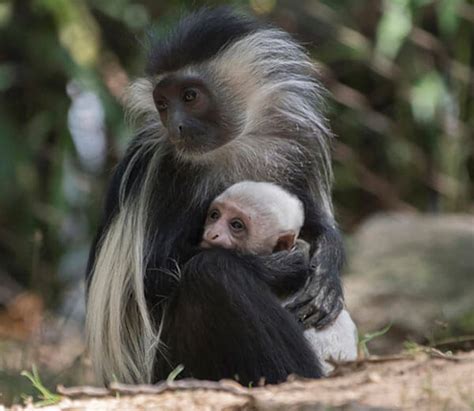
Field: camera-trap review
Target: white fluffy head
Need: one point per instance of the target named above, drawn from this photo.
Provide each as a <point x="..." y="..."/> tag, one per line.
<point x="268" y="201"/>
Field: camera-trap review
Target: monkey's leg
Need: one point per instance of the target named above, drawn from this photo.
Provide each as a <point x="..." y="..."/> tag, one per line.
<point x="224" y="322"/>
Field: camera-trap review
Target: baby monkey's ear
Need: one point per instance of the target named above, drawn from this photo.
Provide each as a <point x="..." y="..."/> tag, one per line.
<point x="285" y="241"/>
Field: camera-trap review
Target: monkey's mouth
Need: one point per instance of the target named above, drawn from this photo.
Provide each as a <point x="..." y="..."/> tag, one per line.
<point x="190" y="145"/>
<point x="196" y="144"/>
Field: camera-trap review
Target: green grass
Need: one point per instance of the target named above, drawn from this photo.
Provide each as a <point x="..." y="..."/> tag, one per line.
<point x="174" y="374"/>
<point x="46" y="396"/>
<point x="367" y="337"/>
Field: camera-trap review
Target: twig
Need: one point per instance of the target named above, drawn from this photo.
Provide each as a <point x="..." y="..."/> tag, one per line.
<point x="84" y="391"/>
<point x="189" y="384"/>
<point x="455" y="340"/>
<point x="435" y="353"/>
<point x="374" y="359"/>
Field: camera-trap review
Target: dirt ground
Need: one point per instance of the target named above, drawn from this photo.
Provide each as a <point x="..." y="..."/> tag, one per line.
<point x="425" y="381"/>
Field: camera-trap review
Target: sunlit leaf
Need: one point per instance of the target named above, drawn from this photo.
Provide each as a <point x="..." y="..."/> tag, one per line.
<point x="5" y="13"/>
<point x="78" y="31"/>
<point x="447" y="15"/>
<point x="395" y="25"/>
<point x="427" y="96"/>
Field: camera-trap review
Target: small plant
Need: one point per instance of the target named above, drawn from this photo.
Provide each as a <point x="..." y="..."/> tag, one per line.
<point x="364" y="339"/>
<point x="412" y="347"/>
<point x="46" y="396"/>
<point x="174" y="374"/>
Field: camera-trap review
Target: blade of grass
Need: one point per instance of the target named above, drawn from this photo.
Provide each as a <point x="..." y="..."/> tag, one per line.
<point x="45" y="395"/>
<point x="174" y="374"/>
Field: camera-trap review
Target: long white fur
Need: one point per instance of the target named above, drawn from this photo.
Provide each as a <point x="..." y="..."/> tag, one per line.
<point x="121" y="337"/>
<point x="285" y="82"/>
<point x="273" y="79"/>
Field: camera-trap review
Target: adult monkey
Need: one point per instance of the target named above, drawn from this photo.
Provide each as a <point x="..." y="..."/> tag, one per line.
<point x="226" y="100"/>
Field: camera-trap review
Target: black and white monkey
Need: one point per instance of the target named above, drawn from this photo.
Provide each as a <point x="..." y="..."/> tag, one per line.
<point x="226" y="99"/>
<point x="260" y="218"/>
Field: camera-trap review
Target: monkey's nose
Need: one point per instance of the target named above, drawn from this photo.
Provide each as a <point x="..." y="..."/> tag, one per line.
<point x="215" y="237"/>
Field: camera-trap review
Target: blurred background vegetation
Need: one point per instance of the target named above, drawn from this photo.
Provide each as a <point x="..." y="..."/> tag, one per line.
<point x="401" y="82"/>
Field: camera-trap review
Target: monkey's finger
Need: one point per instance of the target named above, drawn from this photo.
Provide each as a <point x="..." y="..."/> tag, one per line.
<point x="301" y="308"/>
<point x="322" y="318"/>
<point x="309" y="315"/>
<point x="312" y="295"/>
<point x="317" y="310"/>
<point x="301" y="299"/>
<point x="314" y="319"/>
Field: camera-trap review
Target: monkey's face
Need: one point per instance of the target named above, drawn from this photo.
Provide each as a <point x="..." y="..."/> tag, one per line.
<point x="227" y="226"/>
<point x="190" y="114"/>
<point x="230" y="224"/>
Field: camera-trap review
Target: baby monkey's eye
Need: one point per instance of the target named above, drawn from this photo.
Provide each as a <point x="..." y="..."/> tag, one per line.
<point x="214" y="214"/>
<point x="237" y="225"/>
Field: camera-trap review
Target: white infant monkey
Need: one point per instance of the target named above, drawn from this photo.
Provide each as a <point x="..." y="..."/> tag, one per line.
<point x="262" y="218"/>
<point x="254" y="218"/>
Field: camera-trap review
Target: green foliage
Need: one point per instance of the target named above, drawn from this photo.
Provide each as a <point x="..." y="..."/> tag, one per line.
<point x="174" y="374"/>
<point x="367" y="337"/>
<point x="400" y="80"/>
<point x="448" y="16"/>
<point x="395" y="25"/>
<point x="427" y="97"/>
<point x="46" y="396"/>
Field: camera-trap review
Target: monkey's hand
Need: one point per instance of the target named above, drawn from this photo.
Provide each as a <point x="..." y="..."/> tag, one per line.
<point x="286" y="271"/>
<point x="319" y="302"/>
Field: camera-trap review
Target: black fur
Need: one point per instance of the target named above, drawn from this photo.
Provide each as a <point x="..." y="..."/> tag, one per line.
<point x="321" y="300"/>
<point x="224" y="322"/>
<point x="222" y="316"/>
<point x="198" y="37"/>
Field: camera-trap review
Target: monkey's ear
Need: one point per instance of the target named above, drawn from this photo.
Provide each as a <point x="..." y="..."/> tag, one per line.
<point x="286" y="241"/>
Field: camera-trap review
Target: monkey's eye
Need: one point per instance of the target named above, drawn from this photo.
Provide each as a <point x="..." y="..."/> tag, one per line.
<point x="237" y="225"/>
<point x="214" y="215"/>
<point x="161" y="105"/>
<point x="189" y="95"/>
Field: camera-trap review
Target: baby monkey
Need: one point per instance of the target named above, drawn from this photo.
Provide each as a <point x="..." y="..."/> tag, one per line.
<point x="261" y="218"/>
<point x="254" y="218"/>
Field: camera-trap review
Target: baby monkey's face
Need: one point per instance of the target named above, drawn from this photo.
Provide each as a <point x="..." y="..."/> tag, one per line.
<point x="228" y="226"/>
<point x="232" y="225"/>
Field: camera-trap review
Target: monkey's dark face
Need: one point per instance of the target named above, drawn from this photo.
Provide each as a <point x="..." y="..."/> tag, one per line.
<point x="190" y="114"/>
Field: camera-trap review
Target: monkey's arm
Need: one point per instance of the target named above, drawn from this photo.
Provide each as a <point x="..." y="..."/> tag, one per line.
<point x="285" y="272"/>
<point x="224" y="322"/>
<point x="320" y="301"/>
